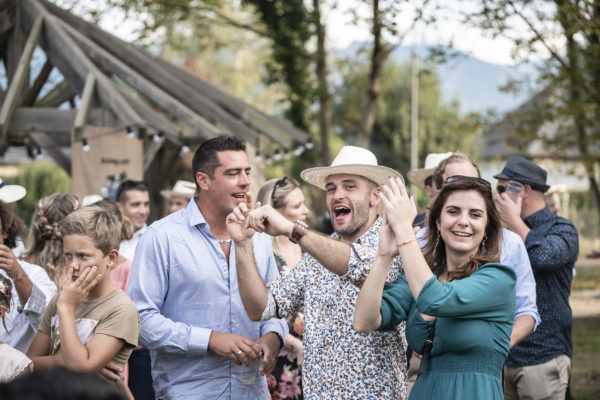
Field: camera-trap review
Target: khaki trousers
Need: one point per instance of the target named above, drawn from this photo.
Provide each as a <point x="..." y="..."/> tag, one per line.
<point x="547" y="381"/>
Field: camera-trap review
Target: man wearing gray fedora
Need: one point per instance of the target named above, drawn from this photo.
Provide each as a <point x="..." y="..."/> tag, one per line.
<point x="338" y="362"/>
<point x="539" y="366"/>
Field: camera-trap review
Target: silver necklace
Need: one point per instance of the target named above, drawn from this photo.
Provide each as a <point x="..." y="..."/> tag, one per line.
<point x="224" y="241"/>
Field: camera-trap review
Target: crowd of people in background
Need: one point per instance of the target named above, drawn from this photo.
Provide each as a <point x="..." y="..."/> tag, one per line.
<point x="230" y="298"/>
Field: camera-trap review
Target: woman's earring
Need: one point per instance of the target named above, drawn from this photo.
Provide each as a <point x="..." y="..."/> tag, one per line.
<point x="483" y="249"/>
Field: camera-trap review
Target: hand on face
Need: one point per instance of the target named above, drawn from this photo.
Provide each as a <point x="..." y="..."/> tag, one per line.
<point x="75" y="291"/>
<point x="400" y="209"/>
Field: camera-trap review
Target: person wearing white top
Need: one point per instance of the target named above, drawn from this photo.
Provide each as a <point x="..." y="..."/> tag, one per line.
<point x="133" y="201"/>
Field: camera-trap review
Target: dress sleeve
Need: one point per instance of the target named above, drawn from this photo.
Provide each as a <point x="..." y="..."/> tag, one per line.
<point x="488" y="293"/>
<point x="417" y="330"/>
<point x="396" y="302"/>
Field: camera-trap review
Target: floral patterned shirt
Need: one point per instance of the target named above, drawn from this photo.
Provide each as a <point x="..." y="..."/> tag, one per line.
<point x="338" y="362"/>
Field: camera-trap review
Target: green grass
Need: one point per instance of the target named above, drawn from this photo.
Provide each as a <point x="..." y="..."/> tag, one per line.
<point x="586" y="278"/>
<point x="585" y="372"/>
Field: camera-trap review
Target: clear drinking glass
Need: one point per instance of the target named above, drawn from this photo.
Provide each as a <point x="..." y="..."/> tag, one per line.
<point x="514" y="190"/>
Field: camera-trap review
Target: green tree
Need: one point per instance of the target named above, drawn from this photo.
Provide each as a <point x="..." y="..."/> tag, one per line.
<point x="441" y="128"/>
<point x="569" y="32"/>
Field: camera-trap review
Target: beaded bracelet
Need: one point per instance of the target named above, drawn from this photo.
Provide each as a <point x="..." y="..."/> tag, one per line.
<point x="407" y="242"/>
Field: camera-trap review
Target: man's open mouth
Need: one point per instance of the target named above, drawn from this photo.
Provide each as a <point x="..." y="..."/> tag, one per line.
<point x="340" y="211"/>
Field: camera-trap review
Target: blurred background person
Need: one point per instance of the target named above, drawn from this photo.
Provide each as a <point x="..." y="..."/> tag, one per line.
<point x="180" y="195"/>
<point x="31" y="287"/>
<point x="44" y="243"/>
<point x="285" y="196"/>
<point x="13" y="363"/>
<point x="133" y="200"/>
<point x="10" y="194"/>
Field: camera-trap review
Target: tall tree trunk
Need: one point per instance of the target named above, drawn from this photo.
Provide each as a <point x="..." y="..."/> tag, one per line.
<point x="377" y="57"/>
<point x="323" y="87"/>
<point x="576" y="99"/>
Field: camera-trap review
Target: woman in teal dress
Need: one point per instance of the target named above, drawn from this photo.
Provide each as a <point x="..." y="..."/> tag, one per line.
<point x="467" y="295"/>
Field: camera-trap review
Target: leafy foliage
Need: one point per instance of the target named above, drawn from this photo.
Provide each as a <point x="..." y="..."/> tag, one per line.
<point x="41" y="179"/>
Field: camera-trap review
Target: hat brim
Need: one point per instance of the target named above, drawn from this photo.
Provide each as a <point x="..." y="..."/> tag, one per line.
<point x="12" y="193"/>
<point x="534" y="185"/>
<point x="318" y="176"/>
<point x="418" y="176"/>
<point x="168" y="194"/>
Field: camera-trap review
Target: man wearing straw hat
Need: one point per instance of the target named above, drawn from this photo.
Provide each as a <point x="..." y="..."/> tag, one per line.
<point x="180" y="195"/>
<point x="422" y="178"/>
<point x="338" y="362"/>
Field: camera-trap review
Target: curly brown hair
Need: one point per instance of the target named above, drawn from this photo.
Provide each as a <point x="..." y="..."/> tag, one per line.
<point x="12" y="225"/>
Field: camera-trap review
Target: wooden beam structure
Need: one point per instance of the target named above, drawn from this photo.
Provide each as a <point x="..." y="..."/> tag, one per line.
<point x="21" y="73"/>
<point x="60" y="46"/>
<point x="84" y="106"/>
<point x="173" y="106"/>
<point x="46" y="143"/>
<point x="57" y="95"/>
<point x="39" y="82"/>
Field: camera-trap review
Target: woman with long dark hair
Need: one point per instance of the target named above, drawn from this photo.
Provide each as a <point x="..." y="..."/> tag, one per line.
<point x="457" y="300"/>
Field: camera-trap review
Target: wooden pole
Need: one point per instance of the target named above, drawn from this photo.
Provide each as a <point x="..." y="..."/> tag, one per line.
<point x="10" y="101"/>
<point x="84" y="106"/>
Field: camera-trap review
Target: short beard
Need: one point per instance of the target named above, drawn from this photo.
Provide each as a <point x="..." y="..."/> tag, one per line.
<point x="360" y="217"/>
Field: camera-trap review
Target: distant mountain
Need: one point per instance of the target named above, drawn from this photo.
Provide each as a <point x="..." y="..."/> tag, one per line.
<point x="475" y="83"/>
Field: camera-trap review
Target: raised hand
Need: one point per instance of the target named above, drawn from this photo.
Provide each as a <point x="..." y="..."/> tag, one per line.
<point x="267" y="219"/>
<point x="236" y="223"/>
<point x="387" y="239"/>
<point x="400" y="209"/>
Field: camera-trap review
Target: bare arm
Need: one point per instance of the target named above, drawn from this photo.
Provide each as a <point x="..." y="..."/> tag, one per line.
<point x="10" y="264"/>
<point x="367" y="314"/>
<point x="400" y="211"/>
<point x="332" y="254"/>
<point x="38" y="352"/>
<point x="522" y="327"/>
<point x="253" y="290"/>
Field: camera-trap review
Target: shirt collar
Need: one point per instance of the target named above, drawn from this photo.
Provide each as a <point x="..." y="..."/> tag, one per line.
<point x="539" y="217"/>
<point x="372" y="231"/>
<point x="194" y="216"/>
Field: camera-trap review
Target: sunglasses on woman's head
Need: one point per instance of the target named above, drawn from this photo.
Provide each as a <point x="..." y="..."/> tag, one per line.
<point x="479" y="181"/>
<point x="280" y="183"/>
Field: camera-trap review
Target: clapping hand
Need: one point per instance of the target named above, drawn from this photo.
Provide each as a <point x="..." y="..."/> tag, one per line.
<point x="400" y="209"/>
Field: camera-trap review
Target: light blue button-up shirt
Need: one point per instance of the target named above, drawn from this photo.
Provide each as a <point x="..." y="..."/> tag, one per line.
<point x="514" y="254"/>
<point x="184" y="289"/>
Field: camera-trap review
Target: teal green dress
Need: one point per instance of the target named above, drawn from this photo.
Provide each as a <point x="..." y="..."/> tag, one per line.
<point x="472" y="337"/>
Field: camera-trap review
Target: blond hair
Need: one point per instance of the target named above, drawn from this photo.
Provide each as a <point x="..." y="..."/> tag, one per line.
<point x="101" y="226"/>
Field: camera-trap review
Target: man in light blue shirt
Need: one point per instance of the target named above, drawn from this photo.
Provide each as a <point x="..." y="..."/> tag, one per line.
<point x="184" y="284"/>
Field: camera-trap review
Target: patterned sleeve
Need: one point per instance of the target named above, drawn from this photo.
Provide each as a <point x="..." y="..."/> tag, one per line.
<point x="553" y="249"/>
<point x="288" y="291"/>
<point x="361" y="258"/>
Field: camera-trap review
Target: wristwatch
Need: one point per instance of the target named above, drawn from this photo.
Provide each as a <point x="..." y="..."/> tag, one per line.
<point x="299" y="230"/>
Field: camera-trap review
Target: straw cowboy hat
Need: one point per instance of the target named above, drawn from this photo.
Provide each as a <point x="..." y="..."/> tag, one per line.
<point x="11" y="193"/>
<point x="350" y="160"/>
<point x="183" y="189"/>
<point x="417" y="176"/>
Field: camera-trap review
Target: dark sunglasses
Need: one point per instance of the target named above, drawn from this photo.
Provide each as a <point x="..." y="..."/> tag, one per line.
<point x="279" y="184"/>
<point x="501" y="189"/>
<point x="479" y="181"/>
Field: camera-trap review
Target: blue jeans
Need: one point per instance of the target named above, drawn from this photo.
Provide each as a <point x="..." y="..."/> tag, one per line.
<point x="140" y="377"/>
